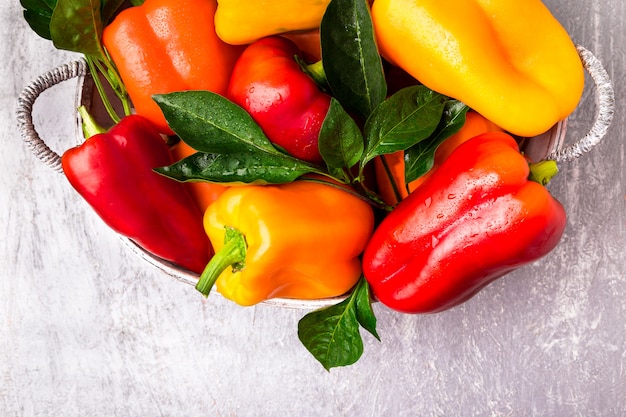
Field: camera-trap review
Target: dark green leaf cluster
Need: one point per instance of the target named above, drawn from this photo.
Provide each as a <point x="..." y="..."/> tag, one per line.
<point x="73" y="25"/>
<point x="76" y="26"/>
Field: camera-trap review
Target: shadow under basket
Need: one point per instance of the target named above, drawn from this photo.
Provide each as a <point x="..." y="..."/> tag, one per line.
<point x="550" y="145"/>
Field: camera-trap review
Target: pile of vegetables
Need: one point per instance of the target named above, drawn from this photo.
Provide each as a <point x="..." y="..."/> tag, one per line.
<point x="343" y="148"/>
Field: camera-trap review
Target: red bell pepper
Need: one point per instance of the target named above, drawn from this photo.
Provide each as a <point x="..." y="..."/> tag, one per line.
<point x="284" y="100"/>
<point x="113" y="172"/>
<point x="475" y="218"/>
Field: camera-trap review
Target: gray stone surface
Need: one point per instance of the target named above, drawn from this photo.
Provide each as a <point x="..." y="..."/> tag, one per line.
<point x="86" y="329"/>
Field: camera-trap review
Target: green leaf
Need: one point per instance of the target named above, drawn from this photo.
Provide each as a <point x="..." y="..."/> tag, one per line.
<point x="404" y="119"/>
<point x="332" y="335"/>
<point x="364" y="312"/>
<point x="419" y="158"/>
<point x="109" y="9"/>
<point x="76" y="25"/>
<point x="350" y="56"/>
<point x="340" y="139"/>
<point x="37" y="14"/>
<point x="232" y="147"/>
<point x="210" y="123"/>
<point x="247" y="167"/>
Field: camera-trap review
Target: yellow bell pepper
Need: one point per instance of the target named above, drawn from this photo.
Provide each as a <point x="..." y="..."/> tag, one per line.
<point x="242" y="22"/>
<point x="298" y="240"/>
<point x="511" y="61"/>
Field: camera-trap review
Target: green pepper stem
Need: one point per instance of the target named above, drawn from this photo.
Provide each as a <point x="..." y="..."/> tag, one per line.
<point x="390" y="177"/>
<point x="90" y="126"/>
<point x="543" y="171"/>
<point x="315" y="71"/>
<point x="233" y="253"/>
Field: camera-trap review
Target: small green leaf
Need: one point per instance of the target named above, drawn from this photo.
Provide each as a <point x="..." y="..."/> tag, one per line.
<point x="350" y="56"/>
<point x="404" y="119"/>
<point x="76" y="25"/>
<point x="419" y="158"/>
<point x="364" y="312"/>
<point x="253" y="167"/>
<point x="37" y="14"/>
<point x="340" y="139"/>
<point x="210" y="123"/>
<point x="332" y="334"/>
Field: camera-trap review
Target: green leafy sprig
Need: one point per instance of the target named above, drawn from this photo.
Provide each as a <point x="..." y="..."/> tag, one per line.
<point x="76" y="26"/>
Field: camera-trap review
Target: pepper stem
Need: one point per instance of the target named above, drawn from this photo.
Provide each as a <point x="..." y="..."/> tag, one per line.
<point x="233" y="253"/>
<point x="315" y="71"/>
<point x="543" y="171"/>
<point x="90" y="126"/>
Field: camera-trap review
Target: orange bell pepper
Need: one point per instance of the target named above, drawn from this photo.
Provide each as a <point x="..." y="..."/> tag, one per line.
<point x="474" y="125"/>
<point x="296" y="240"/>
<point x="164" y="46"/>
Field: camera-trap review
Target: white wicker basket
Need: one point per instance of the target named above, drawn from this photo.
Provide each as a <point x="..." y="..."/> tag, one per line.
<point x="550" y="145"/>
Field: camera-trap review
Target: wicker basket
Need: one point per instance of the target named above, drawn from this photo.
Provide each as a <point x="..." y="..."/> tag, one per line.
<point x="550" y="145"/>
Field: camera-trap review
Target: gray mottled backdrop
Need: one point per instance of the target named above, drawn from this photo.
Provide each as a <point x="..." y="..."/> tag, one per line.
<point x="86" y="329"/>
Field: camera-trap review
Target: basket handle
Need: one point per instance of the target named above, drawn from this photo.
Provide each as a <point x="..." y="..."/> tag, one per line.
<point x="25" y="104"/>
<point x="605" y="99"/>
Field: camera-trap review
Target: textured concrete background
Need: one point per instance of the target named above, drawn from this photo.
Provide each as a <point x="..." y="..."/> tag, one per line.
<point x="86" y="329"/>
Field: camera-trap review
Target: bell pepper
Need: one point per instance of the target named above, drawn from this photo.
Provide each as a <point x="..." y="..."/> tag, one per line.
<point x="297" y="240"/>
<point x="113" y="172"/>
<point x="391" y="194"/>
<point x="511" y="61"/>
<point x="164" y="46"/>
<point x="475" y="218"/>
<point x="243" y="22"/>
<point x="284" y="100"/>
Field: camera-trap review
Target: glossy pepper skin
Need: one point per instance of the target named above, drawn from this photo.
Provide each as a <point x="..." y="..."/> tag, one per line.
<point x="240" y="22"/>
<point x="474" y="125"/>
<point x="164" y="46"/>
<point x="511" y="61"/>
<point x="474" y="219"/>
<point x="113" y="172"/>
<point x="303" y="240"/>
<point x="286" y="103"/>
